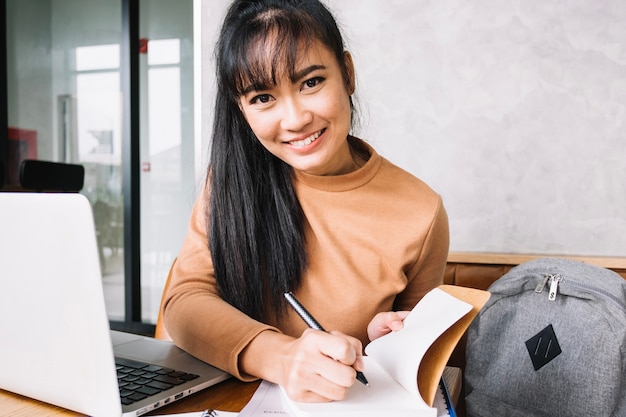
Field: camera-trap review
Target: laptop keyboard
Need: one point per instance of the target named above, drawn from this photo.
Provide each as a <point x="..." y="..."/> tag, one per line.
<point x="138" y="380"/>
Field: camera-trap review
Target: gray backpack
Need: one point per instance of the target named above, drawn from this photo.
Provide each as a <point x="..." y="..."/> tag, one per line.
<point x="551" y="341"/>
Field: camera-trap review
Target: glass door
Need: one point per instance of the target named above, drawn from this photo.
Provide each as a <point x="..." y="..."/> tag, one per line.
<point x="64" y="105"/>
<point x="64" y="80"/>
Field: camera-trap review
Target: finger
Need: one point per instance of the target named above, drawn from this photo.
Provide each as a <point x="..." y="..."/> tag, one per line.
<point x="353" y="355"/>
<point x="402" y="314"/>
<point x="358" y="364"/>
<point x="386" y="322"/>
<point x="396" y="320"/>
<point x="330" y="355"/>
<point x="391" y="320"/>
<point x="319" y="390"/>
<point x="337" y="373"/>
<point x="345" y="349"/>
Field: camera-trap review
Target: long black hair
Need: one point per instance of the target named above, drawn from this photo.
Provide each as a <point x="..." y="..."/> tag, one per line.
<point x="255" y="222"/>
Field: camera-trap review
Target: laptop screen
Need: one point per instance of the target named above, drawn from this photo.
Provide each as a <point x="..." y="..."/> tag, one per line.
<point x="56" y="343"/>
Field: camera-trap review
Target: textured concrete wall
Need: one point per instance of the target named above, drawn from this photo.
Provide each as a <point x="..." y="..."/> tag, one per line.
<point x="513" y="110"/>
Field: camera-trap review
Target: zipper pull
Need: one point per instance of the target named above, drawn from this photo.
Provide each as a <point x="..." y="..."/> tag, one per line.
<point x="542" y="284"/>
<point x="554" y="286"/>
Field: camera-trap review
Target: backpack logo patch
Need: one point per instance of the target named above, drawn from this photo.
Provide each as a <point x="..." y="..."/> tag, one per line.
<point x="543" y="347"/>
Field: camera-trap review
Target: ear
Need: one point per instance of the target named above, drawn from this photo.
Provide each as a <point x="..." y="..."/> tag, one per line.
<point x="243" y="113"/>
<point x="348" y="71"/>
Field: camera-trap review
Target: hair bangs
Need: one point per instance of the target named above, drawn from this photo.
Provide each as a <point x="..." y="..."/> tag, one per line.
<point x="269" y="50"/>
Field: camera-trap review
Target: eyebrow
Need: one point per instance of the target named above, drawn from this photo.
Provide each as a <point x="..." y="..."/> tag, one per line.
<point x="296" y="76"/>
<point x="306" y="71"/>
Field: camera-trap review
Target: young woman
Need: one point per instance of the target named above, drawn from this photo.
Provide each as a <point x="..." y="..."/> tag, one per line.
<point x="293" y="202"/>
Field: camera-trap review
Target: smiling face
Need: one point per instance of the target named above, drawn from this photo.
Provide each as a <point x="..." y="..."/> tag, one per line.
<point x="304" y="116"/>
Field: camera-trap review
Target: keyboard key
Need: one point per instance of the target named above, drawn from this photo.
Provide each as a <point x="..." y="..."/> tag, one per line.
<point x="127" y="401"/>
<point x="138" y="380"/>
<point x="137" y="396"/>
<point x="143" y="381"/>
<point x="152" y="368"/>
<point x="133" y="387"/>
<point x="168" y="379"/>
<point x="125" y="393"/>
<point x="159" y="385"/>
<point x="189" y="377"/>
<point x="148" y="390"/>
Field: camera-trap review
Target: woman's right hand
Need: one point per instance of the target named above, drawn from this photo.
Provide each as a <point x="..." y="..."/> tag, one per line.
<point x="316" y="367"/>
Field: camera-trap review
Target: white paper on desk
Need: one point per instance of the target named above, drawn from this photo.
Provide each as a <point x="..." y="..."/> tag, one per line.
<point x="266" y="401"/>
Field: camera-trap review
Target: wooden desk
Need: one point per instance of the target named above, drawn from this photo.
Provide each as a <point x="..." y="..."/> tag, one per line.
<point x="230" y="395"/>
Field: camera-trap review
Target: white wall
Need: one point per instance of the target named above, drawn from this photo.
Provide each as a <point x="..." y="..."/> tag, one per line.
<point x="29" y="75"/>
<point x="513" y="111"/>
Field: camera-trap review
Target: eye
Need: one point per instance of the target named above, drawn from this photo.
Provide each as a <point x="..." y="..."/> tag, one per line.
<point x="261" y="99"/>
<point x="312" y="83"/>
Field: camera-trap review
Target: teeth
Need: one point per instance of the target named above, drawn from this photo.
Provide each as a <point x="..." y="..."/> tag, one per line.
<point x="307" y="141"/>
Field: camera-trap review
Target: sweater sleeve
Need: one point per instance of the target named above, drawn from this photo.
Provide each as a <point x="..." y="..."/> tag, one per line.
<point x="196" y="317"/>
<point x="428" y="270"/>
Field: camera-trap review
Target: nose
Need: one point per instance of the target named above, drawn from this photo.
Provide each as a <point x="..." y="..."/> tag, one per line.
<point x="295" y="115"/>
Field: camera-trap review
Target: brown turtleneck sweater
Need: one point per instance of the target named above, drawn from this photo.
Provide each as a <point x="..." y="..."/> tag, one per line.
<point x="377" y="240"/>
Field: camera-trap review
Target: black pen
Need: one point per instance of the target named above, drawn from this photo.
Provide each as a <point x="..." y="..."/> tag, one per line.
<point x="313" y="324"/>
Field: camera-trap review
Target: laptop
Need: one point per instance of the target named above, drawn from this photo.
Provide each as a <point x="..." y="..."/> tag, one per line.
<point x="56" y="343"/>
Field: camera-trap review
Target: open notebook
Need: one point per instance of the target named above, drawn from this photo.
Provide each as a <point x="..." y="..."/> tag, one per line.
<point x="404" y="368"/>
<point x="269" y="400"/>
<point x="56" y="344"/>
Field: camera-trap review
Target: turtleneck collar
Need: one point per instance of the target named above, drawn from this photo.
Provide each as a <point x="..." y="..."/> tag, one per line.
<point x="345" y="182"/>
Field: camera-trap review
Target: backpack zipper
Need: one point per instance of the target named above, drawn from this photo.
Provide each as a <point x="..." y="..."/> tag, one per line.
<point x="554" y="285"/>
<point x="555" y="280"/>
<point x="604" y="294"/>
